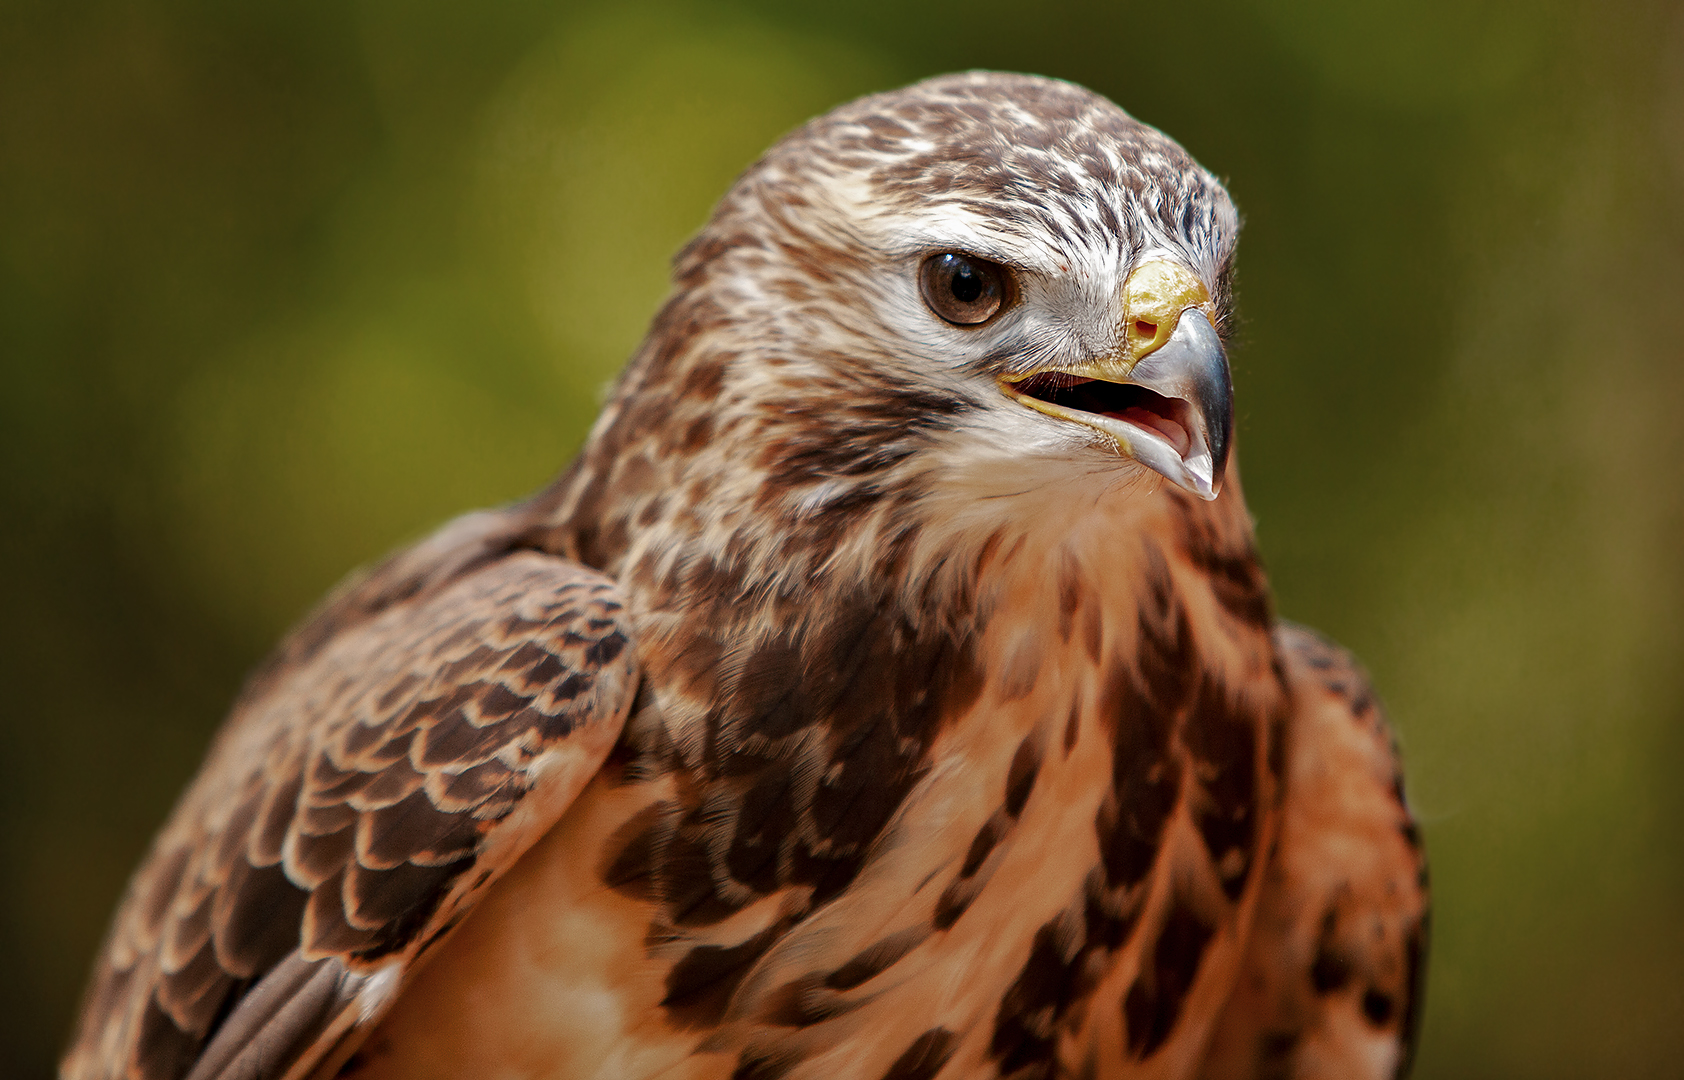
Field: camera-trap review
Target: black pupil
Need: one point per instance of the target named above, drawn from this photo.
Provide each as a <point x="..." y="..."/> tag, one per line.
<point x="966" y="283"/>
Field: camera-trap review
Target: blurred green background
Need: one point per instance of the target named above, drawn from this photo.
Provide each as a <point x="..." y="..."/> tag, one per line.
<point x="285" y="284"/>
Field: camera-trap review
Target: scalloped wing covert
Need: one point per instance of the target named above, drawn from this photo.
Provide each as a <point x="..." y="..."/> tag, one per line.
<point x="406" y="747"/>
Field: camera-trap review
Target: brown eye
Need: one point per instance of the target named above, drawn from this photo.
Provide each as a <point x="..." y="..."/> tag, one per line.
<point x="963" y="289"/>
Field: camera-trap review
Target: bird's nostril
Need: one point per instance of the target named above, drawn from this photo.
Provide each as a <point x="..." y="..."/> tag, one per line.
<point x="1146" y="329"/>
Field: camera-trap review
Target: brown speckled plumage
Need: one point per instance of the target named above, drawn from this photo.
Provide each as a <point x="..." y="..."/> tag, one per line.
<point x="832" y="716"/>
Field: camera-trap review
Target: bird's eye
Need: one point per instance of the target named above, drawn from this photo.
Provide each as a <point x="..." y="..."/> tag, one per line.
<point x="963" y="289"/>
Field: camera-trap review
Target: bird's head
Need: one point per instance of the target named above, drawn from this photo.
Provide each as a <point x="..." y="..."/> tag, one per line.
<point x="1002" y="279"/>
<point x="1010" y="256"/>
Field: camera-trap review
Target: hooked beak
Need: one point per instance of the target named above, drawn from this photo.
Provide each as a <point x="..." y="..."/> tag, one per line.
<point x="1164" y="397"/>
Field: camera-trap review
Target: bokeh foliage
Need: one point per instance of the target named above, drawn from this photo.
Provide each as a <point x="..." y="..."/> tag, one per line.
<point x="284" y="284"/>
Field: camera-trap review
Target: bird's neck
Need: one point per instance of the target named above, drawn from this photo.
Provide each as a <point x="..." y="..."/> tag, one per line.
<point x="746" y="586"/>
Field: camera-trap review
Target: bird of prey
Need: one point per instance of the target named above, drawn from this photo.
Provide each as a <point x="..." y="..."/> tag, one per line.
<point x="888" y="691"/>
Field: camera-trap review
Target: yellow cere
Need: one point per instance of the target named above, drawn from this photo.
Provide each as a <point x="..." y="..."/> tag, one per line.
<point x="1154" y="297"/>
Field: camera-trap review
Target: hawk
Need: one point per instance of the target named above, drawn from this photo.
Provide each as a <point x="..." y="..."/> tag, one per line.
<point x="889" y="689"/>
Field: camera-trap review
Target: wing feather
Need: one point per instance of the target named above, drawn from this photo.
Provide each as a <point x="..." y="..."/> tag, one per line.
<point x="400" y="752"/>
<point x="1334" y="970"/>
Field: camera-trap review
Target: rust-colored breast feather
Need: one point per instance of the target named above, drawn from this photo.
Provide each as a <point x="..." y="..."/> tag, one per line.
<point x="1030" y="849"/>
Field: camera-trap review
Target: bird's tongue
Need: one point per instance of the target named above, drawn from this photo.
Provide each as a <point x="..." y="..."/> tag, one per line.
<point x="1172" y="432"/>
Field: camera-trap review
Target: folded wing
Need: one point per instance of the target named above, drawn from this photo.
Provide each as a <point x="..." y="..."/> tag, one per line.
<point x="404" y="748"/>
<point x="1331" y="986"/>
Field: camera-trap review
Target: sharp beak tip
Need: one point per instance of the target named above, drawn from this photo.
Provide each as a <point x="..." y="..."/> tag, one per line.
<point x="1193" y="367"/>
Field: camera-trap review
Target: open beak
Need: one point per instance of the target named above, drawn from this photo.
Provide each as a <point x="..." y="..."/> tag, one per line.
<point x="1164" y="396"/>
